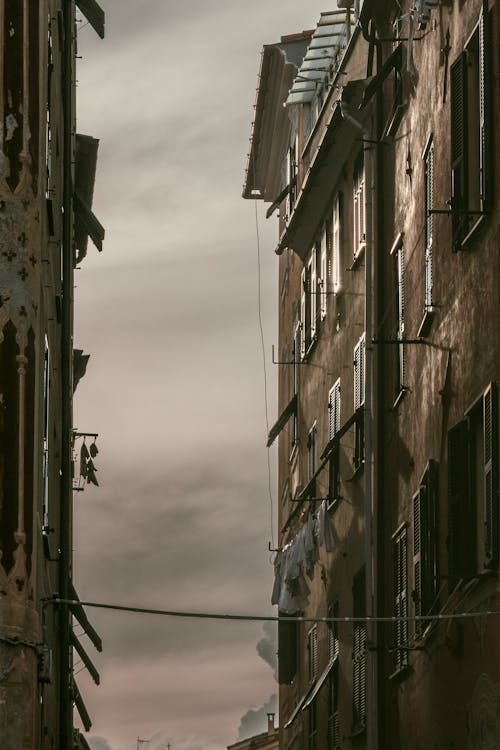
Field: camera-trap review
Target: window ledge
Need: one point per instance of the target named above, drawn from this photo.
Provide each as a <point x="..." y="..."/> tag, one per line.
<point x="426" y="324"/>
<point x="470" y="236"/>
<point x="357" y="471"/>
<point x="402" y="393"/>
<point x="357" y="257"/>
<point x="400" y="674"/>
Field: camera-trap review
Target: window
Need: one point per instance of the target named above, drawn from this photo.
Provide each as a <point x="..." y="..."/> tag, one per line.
<point x="473" y="490"/>
<point x="429" y="221"/>
<point x="287" y="650"/>
<point x="334" y="737"/>
<point x="359" y="654"/>
<point x="333" y="428"/>
<point x="291" y="176"/>
<point x="336" y="245"/>
<point x="334" y="410"/>
<point x="470" y="132"/>
<point x="46" y="432"/>
<point x="397" y="253"/>
<point x="359" y="399"/>
<point x="312" y="651"/>
<point x="311" y="452"/>
<point x="359" y="220"/>
<point x="325" y="268"/>
<point x="309" y="309"/>
<point x="400" y="597"/>
<point x="425" y="546"/>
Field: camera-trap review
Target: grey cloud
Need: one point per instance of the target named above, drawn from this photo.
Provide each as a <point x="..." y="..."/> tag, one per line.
<point x="255" y="720"/>
<point x="99" y="743"/>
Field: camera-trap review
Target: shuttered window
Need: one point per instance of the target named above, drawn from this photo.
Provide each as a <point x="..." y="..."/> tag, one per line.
<point x="359" y="215"/>
<point x="400" y="596"/>
<point x="473" y="490"/>
<point x="470" y="119"/>
<point x="359" y="654"/>
<point x="334" y="736"/>
<point x="334" y="410"/>
<point x="336" y="259"/>
<point x="325" y="276"/>
<point x="425" y="546"/>
<point x="359" y="399"/>
<point x="429" y="225"/>
<point x="312" y="650"/>
<point x="287" y="651"/>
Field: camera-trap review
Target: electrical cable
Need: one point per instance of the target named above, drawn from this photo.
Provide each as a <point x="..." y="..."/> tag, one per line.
<point x="271" y="618"/>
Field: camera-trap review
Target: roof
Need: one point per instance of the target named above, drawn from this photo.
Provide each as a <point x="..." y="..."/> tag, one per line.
<point x="270" y="128"/>
<point x="323" y="54"/>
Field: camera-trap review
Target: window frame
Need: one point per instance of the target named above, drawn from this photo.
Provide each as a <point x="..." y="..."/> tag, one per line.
<point x="359" y="208"/>
<point x="426" y="547"/>
<point x="400" y="597"/>
<point x="471" y="133"/>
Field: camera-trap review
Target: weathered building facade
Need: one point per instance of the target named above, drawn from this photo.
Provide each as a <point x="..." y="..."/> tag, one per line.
<point x="385" y="177"/>
<point x="41" y="211"/>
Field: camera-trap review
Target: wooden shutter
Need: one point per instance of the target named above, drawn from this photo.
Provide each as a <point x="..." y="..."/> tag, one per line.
<point x="417" y="562"/>
<point x="429" y="222"/>
<point x="400" y="597"/>
<point x="490" y="426"/>
<point x="312" y="646"/>
<point x="313" y="293"/>
<point x="359" y="653"/>
<point x="485" y="108"/>
<point x="459" y="156"/>
<point x="461" y="513"/>
<point x="324" y="285"/>
<point x="336" y="255"/>
<point x="303" y="315"/>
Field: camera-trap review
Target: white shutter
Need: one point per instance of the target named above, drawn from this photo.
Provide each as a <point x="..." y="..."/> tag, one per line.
<point x="359" y="373"/>
<point x="303" y="278"/>
<point x="324" y="274"/>
<point x="429" y="203"/>
<point x="334" y="409"/>
<point x="336" y="259"/>
<point x="313" y="295"/>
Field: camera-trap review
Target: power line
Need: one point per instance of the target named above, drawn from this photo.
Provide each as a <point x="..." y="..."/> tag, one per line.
<point x="272" y="618"/>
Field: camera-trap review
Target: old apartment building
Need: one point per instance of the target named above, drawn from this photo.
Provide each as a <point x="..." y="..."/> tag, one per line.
<point x="376" y="141"/>
<point x="46" y="185"/>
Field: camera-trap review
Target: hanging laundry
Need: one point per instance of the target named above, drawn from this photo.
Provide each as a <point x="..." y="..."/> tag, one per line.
<point x="93" y="449"/>
<point x="91" y="473"/>
<point x="84" y="456"/>
<point x="326" y="536"/>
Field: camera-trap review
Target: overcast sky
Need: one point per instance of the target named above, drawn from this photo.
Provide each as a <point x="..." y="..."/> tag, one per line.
<point x="174" y="387"/>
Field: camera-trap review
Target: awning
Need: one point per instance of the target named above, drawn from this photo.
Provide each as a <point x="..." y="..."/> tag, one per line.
<point x="340" y="433"/>
<point x="86" y="223"/>
<point x="298" y="708"/>
<point x="277" y="202"/>
<point x="317" y="687"/>
<point x="312" y="201"/>
<point x="329" y="38"/>
<point x="85" y="658"/>
<point x="290" y="408"/>
<point x="80" y="615"/>
<point x="80" y="362"/>
<point x="81" y="707"/>
<point x="94" y="15"/>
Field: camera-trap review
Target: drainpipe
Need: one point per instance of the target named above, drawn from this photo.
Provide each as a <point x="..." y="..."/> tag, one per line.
<point x="370" y="505"/>
<point x="66" y="499"/>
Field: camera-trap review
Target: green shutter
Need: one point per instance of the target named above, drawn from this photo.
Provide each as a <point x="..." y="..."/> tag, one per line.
<point x="485" y="107"/>
<point x="417" y="561"/>
<point x="461" y="516"/>
<point x="459" y="178"/>
<point x="287" y="651"/>
<point x="490" y="424"/>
